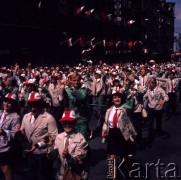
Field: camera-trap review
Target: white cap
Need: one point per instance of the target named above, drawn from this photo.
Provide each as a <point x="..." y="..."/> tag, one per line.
<point x="98" y="71"/>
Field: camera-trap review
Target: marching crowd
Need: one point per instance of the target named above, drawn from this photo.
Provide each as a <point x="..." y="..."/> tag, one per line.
<point x="45" y="113"/>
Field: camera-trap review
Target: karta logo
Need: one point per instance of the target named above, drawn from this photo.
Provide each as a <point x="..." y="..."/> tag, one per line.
<point x="159" y="170"/>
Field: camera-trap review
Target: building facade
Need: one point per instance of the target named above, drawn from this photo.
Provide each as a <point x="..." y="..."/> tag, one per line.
<point x="177" y="43"/>
<point x="66" y="31"/>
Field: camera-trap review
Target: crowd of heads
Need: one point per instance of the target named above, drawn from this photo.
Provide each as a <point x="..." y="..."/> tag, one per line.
<point x="35" y="77"/>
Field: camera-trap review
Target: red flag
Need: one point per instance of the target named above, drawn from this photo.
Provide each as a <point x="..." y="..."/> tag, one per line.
<point x="104" y="43"/>
<point x="117" y="44"/>
<point x="39" y="5"/>
<point x="145" y="50"/>
<point x="110" y="43"/>
<point x="130" y="21"/>
<point x="130" y="44"/>
<point x="91" y="48"/>
<point x="109" y="16"/>
<point x="69" y="42"/>
<point x="88" y="13"/>
<point x="81" y="41"/>
<point x="79" y="10"/>
<point x="91" y="44"/>
<point x="104" y="16"/>
<point x="84" y="51"/>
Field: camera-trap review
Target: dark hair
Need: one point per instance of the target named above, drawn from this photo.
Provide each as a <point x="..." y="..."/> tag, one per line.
<point x="13" y="82"/>
<point x="116" y="80"/>
<point x="73" y="75"/>
<point x="54" y="77"/>
<point x="15" y="105"/>
<point x="121" y="95"/>
<point x="35" y="103"/>
<point x="171" y="72"/>
<point x="153" y="80"/>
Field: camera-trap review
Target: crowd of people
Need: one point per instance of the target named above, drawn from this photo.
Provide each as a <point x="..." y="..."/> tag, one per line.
<point x="46" y="111"/>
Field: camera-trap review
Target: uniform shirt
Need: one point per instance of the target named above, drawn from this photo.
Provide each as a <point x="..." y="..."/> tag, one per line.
<point x="144" y="80"/>
<point x="77" y="150"/>
<point x="98" y="86"/>
<point x="168" y="84"/>
<point x="44" y="125"/>
<point x="11" y="124"/>
<point x="54" y="91"/>
<point x="155" y="96"/>
<point x="112" y="115"/>
<point x="32" y="120"/>
<point x="123" y="121"/>
<point x="2" y="117"/>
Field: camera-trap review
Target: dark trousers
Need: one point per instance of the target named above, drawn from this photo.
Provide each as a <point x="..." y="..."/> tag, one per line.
<point x="40" y="167"/>
<point x="171" y="104"/>
<point x="136" y="119"/>
<point x="154" y="115"/>
<point x="117" y="145"/>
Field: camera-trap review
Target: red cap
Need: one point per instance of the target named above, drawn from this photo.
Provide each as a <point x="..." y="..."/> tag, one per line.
<point x="45" y="79"/>
<point x="54" y="75"/>
<point x="30" y="81"/>
<point x="68" y="115"/>
<point x="34" y="97"/>
<point x="11" y="97"/>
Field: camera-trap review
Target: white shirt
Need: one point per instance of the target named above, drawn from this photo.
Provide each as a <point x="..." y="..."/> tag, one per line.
<point x="32" y="120"/>
<point x="67" y="136"/>
<point x="111" y="115"/>
<point x="142" y="81"/>
<point x="171" y="83"/>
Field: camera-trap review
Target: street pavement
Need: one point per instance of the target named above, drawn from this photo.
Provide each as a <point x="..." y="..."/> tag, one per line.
<point x="165" y="154"/>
